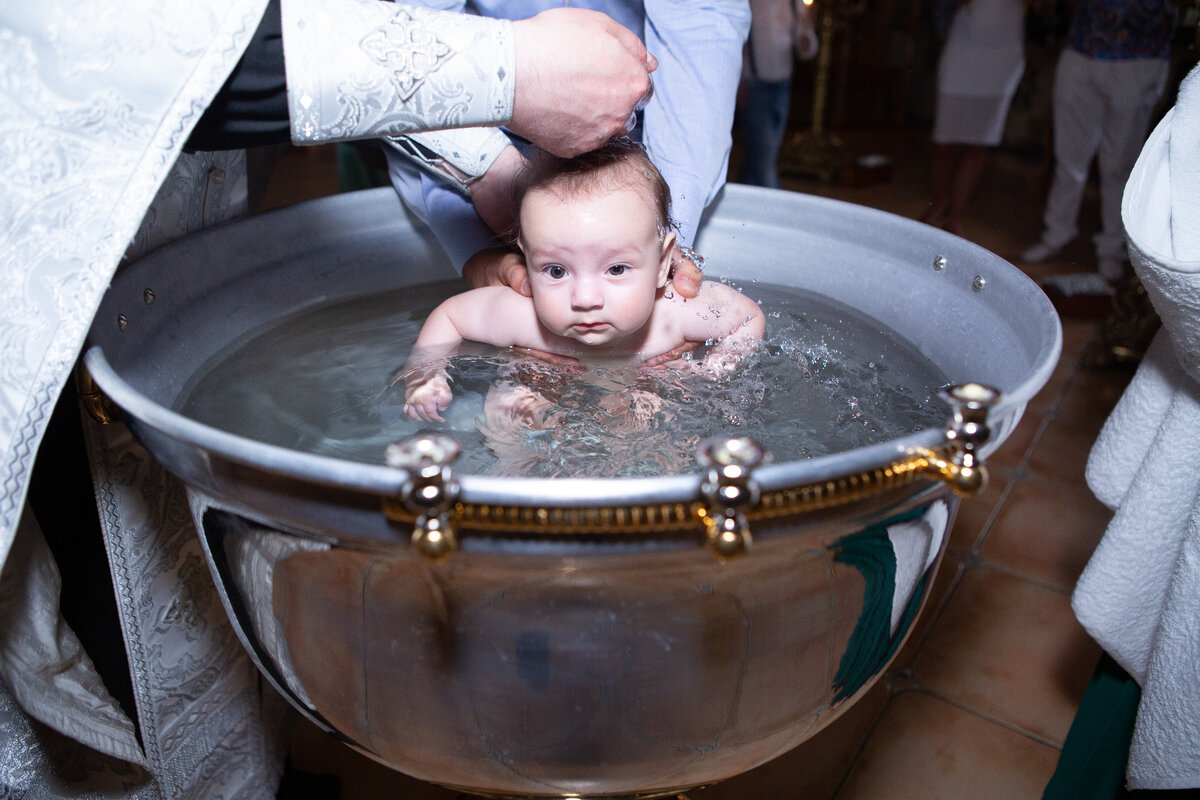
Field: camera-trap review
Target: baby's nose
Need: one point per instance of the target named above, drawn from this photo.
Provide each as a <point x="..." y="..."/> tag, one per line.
<point x="586" y="294"/>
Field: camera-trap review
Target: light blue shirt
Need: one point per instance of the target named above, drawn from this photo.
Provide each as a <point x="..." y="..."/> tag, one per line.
<point x="686" y="127"/>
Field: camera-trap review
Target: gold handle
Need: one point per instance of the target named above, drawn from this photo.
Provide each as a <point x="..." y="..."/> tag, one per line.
<point x="98" y="406"/>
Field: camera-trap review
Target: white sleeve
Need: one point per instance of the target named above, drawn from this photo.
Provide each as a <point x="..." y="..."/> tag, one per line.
<point x="362" y="69"/>
<point x="689" y="121"/>
<point x="450" y="215"/>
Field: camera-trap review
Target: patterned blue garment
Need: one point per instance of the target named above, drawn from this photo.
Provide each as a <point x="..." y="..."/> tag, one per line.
<point x="1123" y="29"/>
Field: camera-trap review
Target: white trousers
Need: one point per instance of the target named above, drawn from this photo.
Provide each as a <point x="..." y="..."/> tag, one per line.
<point x="1100" y="107"/>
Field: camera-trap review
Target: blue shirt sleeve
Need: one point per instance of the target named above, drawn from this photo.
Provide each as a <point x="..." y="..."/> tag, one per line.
<point x="688" y="123"/>
<point x="450" y="215"/>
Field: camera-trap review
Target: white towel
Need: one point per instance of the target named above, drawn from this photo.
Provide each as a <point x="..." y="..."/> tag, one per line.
<point x="917" y="544"/>
<point x="1139" y="596"/>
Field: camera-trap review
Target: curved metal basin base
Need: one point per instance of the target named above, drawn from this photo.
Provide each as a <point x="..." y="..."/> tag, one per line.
<point x="627" y="671"/>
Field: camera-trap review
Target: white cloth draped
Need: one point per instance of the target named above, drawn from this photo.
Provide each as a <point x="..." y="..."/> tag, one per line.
<point x="1139" y="596"/>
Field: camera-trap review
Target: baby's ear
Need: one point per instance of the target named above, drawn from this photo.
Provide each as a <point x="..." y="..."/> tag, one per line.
<point x="664" y="260"/>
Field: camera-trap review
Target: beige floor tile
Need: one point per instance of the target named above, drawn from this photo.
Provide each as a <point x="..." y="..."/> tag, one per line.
<point x="1091" y="397"/>
<point x="1013" y="451"/>
<point x="975" y="513"/>
<point x="1061" y="453"/>
<point x="814" y="769"/>
<point x="1046" y="531"/>
<point x="1009" y="650"/>
<point x="1051" y="393"/>
<point x="926" y="749"/>
<point x="1078" y="334"/>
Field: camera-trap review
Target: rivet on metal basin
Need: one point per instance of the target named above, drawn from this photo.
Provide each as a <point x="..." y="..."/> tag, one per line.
<point x="939" y="263"/>
<point x="430" y="491"/>
<point x="968" y="430"/>
<point x="979" y="283"/>
<point x="728" y="488"/>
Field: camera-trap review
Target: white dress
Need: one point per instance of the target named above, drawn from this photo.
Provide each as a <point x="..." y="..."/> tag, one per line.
<point x="979" y="71"/>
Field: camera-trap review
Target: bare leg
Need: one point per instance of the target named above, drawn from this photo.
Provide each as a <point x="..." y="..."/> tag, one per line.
<point x="942" y="179"/>
<point x="968" y="169"/>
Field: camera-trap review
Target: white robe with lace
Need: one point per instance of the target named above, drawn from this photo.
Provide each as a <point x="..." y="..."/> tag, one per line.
<point x="96" y="103"/>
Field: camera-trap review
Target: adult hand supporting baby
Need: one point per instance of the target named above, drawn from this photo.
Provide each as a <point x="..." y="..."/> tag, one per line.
<point x="497" y="266"/>
<point x="579" y="77"/>
<point x="686" y="273"/>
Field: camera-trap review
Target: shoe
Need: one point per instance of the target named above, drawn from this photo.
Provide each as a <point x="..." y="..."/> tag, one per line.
<point x="1039" y="252"/>
<point x="1086" y="295"/>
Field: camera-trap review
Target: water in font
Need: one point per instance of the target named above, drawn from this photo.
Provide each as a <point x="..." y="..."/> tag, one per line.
<point x="825" y="379"/>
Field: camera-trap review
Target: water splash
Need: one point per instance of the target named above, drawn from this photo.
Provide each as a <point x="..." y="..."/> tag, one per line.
<point x="825" y="379"/>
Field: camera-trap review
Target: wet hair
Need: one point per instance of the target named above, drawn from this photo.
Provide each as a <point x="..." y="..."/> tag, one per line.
<point x="619" y="163"/>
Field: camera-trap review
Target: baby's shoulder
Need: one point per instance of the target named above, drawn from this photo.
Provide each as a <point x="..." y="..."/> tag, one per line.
<point x="491" y="297"/>
<point x="720" y="295"/>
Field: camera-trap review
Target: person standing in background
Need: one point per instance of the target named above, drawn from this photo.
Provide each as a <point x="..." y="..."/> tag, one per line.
<point x="780" y="32"/>
<point x="978" y="74"/>
<point x="1109" y="78"/>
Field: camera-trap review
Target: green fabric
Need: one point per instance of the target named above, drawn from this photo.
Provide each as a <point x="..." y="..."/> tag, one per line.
<point x="871" y="642"/>
<point x="1092" y="763"/>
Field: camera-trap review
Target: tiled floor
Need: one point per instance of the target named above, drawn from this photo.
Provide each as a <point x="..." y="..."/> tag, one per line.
<point x="978" y="703"/>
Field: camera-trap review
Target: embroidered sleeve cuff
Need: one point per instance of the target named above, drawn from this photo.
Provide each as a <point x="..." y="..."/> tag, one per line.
<point x="363" y="69"/>
<point x="458" y="157"/>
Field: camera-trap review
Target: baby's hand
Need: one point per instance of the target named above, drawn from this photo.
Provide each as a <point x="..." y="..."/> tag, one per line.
<point x="426" y="396"/>
<point x="671" y="357"/>
<point x="719" y="363"/>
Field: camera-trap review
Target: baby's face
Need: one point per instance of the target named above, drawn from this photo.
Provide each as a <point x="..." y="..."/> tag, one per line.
<point x="595" y="262"/>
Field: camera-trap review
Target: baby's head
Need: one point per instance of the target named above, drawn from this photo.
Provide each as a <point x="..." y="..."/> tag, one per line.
<point x="595" y="231"/>
<point x="617" y="164"/>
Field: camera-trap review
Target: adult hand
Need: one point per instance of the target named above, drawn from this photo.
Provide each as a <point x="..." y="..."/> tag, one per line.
<point x="497" y="266"/>
<point x="492" y="193"/>
<point x="686" y="274"/>
<point x="579" y="77"/>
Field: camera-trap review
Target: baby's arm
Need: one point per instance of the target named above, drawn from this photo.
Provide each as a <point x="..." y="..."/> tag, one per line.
<point x="476" y="315"/>
<point x="426" y="382"/>
<point x="741" y="324"/>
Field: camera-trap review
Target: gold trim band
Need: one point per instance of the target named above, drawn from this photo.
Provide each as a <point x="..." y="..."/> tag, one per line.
<point x="663" y="517"/>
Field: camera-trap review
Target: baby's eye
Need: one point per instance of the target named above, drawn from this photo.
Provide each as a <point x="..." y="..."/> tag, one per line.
<point x="618" y="269"/>
<point x="555" y="271"/>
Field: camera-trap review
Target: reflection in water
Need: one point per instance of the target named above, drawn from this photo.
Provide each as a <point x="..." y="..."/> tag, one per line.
<point x="825" y="379"/>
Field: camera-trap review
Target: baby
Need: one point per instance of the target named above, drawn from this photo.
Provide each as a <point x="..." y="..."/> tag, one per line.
<point x="595" y="233"/>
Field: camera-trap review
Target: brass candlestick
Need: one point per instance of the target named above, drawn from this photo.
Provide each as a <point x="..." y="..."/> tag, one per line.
<point x="816" y="152"/>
